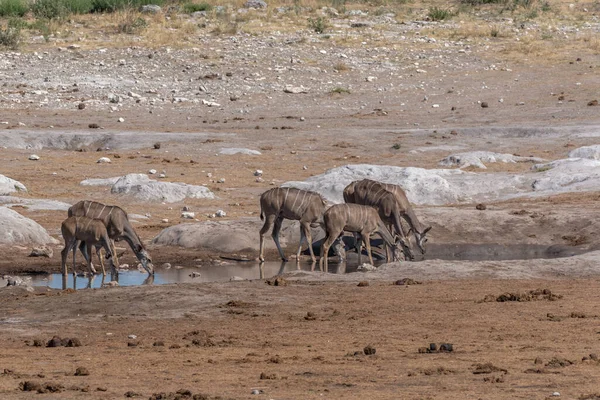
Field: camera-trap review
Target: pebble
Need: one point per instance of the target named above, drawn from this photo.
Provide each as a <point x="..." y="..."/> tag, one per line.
<point x="258" y="172"/>
<point x="121" y="119"/>
<point x="164" y="220"/>
<point x="220" y="213"/>
<point x="152" y="172"/>
<point x="34" y="157"/>
<point x="103" y="160"/>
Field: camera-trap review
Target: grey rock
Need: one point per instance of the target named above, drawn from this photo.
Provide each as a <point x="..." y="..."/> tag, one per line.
<point x="255" y="4"/>
<point x="150" y="9"/>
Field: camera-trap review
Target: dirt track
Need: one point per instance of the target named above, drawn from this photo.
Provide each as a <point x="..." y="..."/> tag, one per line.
<point x="307" y="339"/>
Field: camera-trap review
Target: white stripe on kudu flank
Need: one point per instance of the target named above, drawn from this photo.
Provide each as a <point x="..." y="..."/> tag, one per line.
<point x="286" y="195"/>
<point x="300" y="211"/>
<point x="88" y="208"/>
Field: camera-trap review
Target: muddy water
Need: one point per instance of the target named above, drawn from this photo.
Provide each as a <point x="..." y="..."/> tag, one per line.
<point x="252" y="270"/>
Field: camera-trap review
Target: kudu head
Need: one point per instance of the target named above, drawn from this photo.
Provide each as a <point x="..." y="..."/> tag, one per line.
<point x="145" y="259"/>
<point x="421" y="239"/>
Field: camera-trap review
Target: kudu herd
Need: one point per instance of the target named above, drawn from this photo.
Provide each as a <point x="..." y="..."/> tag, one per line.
<point x="371" y="207"/>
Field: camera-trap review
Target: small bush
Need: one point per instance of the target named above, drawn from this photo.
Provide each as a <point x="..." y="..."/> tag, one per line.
<point x="341" y="66"/>
<point x="13" y="8"/>
<point x="339" y="90"/>
<point x="131" y="23"/>
<point x="10" y="37"/>
<point x="78" y="6"/>
<point x="319" y="25"/>
<point x="190" y="8"/>
<point x="439" y="14"/>
<point x="49" y="9"/>
<point x="479" y="2"/>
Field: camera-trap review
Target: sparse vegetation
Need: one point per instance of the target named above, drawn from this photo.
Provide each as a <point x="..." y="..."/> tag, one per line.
<point x="341" y="66"/>
<point x="439" y="14"/>
<point x="339" y="90"/>
<point x="319" y="24"/>
<point x="190" y="8"/>
<point x="13" y="8"/>
<point x="10" y="37"/>
<point x="396" y="146"/>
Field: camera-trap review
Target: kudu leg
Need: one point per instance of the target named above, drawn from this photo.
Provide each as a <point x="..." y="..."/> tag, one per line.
<point x="263" y="231"/>
<point x="276" y="230"/>
<point x="64" y="254"/>
<point x="323" y="260"/>
<point x="113" y="249"/>
<point x="306" y="233"/>
<point x="88" y="258"/>
<point x="367" y="240"/>
<point x="99" y="254"/>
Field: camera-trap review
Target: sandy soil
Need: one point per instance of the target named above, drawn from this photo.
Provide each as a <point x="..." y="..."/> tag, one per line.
<point x="307" y="339"/>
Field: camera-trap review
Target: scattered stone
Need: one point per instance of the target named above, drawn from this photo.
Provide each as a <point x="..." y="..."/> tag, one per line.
<point x="74" y="342"/>
<point x="82" y="371"/>
<point x="38" y="343"/>
<point x="152" y="171"/>
<point x="258" y="172"/>
<point x="41" y="252"/>
<point x="30" y="386"/>
<point x="369" y="350"/>
<point x="532" y="295"/>
<point x="81" y="106"/>
<point x="487" y="368"/>
<point x="188" y="215"/>
<point x="101" y="389"/>
<point x="264" y="375"/>
<point x="34" y="157"/>
<point x="480" y="207"/>
<point x="593" y="103"/>
<point x="255" y="4"/>
<point x="150" y="9"/>
<point x="158" y="343"/>
<point x="56" y="341"/>
<point x="195" y="274"/>
<point x="103" y="160"/>
<point x="210" y="103"/>
<point x="294" y="89"/>
<point x="131" y="394"/>
<point x="121" y="119"/>
<point x="446" y="348"/>
<point x="111" y="284"/>
<point x="93" y="126"/>
<point x="363" y="284"/>
<point x="132" y="337"/>
<point x="484" y="104"/>
<point x="132" y="343"/>
<point x="366" y="267"/>
<point x="157" y="146"/>
<point x="277" y="281"/>
<point x="220" y="213"/>
<point x="256" y="391"/>
<point x="406" y="282"/>
<point x="310" y="316"/>
<point x="559" y="363"/>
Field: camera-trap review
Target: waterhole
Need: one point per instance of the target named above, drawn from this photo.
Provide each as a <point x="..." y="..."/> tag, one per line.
<point x="231" y="270"/>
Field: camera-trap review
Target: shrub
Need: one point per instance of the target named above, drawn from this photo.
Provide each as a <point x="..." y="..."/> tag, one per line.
<point x="318" y="25"/>
<point x="10" y="37"/>
<point x="190" y="8"/>
<point x="339" y="90"/>
<point x="78" y="6"/>
<point x="13" y="8"/>
<point x="49" y="9"/>
<point x="439" y="14"/>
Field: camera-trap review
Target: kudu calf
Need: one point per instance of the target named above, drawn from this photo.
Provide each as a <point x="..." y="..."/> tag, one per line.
<point x="118" y="226"/>
<point x="86" y="230"/>
<point x="278" y="204"/>
<point x="353" y="218"/>
<point x="392" y="203"/>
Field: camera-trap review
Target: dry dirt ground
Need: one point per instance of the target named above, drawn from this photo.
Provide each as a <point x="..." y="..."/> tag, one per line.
<point x="307" y="339"/>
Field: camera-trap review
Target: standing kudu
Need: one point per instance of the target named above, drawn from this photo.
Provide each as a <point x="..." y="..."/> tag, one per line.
<point x="118" y="226"/>
<point x="278" y="204"/>
<point x="86" y="230"/>
<point x="353" y="218"/>
<point x="392" y="207"/>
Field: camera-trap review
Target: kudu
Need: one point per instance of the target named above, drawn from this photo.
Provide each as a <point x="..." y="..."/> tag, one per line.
<point x="118" y="226"/>
<point x="353" y="218"/>
<point x="86" y="230"/>
<point x="278" y="204"/>
<point x="370" y="192"/>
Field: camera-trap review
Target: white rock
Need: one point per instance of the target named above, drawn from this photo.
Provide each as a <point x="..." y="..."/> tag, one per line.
<point x="188" y="215"/>
<point x="8" y="185"/>
<point x="365" y="267"/>
<point x="220" y="213"/>
<point x="221" y="180"/>
<point x="99" y="182"/>
<point x="371" y="78"/>
<point x="238" y="150"/>
<point x="162" y="175"/>
<point x="589" y="152"/>
<point x="195" y="274"/>
<point x="121" y="119"/>
<point x="152" y="172"/>
<point x="210" y="103"/>
<point x="144" y="188"/>
<point x="295" y="89"/>
<point x="132" y="337"/>
<point x="19" y="230"/>
<point x="164" y="220"/>
<point x="258" y="172"/>
<point x="34" y="157"/>
<point x="477" y="158"/>
<point x="103" y="160"/>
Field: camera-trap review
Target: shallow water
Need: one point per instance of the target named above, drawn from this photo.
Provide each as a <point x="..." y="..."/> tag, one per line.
<point x="229" y="270"/>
